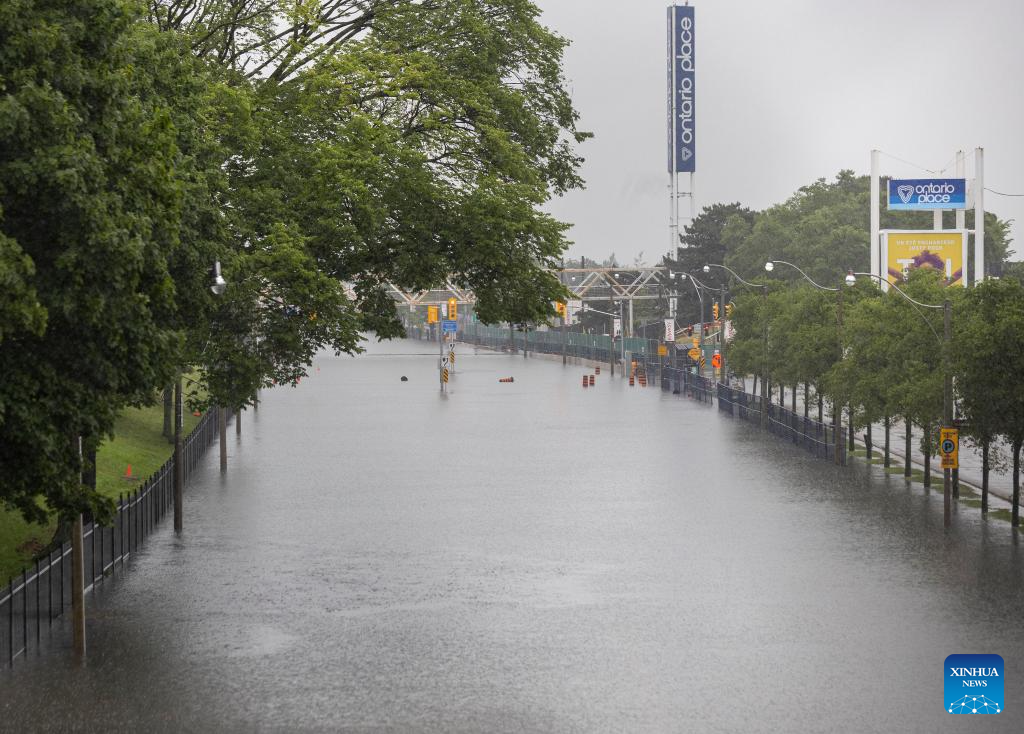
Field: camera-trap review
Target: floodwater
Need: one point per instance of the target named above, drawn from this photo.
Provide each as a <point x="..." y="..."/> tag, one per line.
<point x="531" y="556"/>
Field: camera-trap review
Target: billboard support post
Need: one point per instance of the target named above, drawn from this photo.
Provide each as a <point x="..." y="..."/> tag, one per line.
<point x="961" y="214"/>
<point x="979" y="215"/>
<point x="876" y="260"/>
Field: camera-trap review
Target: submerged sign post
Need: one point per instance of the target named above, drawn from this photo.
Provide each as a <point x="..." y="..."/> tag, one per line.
<point x="927" y="193"/>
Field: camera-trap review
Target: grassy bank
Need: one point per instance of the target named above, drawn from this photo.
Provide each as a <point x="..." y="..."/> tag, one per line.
<point x="138" y="441"/>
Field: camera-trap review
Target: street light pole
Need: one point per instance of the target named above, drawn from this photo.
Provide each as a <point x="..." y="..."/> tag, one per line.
<point x="837" y="411"/>
<point x="947" y="382"/>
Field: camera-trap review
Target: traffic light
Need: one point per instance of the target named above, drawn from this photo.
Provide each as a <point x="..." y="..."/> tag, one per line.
<point x="706" y="327"/>
<point x="728" y="310"/>
<point x="560" y="309"/>
<point x="689" y="330"/>
<point x="714" y="310"/>
<point x="453" y="306"/>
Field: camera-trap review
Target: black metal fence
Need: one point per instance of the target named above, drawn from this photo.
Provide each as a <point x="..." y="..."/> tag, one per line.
<point x="43" y="591"/>
<point x="817" y="437"/>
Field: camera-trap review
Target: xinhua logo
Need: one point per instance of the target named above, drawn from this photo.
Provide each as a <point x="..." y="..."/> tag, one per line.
<point x="974" y="684"/>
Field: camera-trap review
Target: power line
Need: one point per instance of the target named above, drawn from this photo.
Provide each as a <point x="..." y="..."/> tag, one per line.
<point x="1000" y="193"/>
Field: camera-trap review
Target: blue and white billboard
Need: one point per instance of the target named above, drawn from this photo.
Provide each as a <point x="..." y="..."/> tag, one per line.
<point x="927" y="193"/>
<point x="682" y="149"/>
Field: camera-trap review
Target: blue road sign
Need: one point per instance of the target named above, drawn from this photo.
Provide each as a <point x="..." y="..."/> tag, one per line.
<point x="448" y="326"/>
<point x="927" y="193"/>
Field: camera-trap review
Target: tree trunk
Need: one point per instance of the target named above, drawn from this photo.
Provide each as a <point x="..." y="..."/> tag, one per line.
<point x="821" y="408"/>
<point x="868" y="445"/>
<point x="168" y="396"/>
<point x="909" y="428"/>
<point x="851" y="444"/>
<point x="927" y="456"/>
<point x="807" y="397"/>
<point x="984" y="475"/>
<point x="782" y="395"/>
<point x="794" y="399"/>
<point x="887" y="462"/>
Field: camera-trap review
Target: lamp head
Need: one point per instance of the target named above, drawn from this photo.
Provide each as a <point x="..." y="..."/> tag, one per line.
<point x="769" y="266"/>
<point x="850" y="278"/>
<point x="707" y="268"/>
<point x="219" y="284"/>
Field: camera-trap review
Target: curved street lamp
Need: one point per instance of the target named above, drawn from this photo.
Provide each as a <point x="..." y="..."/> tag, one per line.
<point x="611" y="333"/>
<point x="850" y="280"/>
<point x="721" y="304"/>
<point x="947" y="378"/>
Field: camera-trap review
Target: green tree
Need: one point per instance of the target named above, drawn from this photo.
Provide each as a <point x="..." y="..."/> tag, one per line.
<point x="704" y="242"/>
<point x="91" y="208"/>
<point x="989" y="356"/>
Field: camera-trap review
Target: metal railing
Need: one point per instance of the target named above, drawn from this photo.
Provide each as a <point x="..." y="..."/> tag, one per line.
<point x="817" y="437"/>
<point x="43" y="591"/>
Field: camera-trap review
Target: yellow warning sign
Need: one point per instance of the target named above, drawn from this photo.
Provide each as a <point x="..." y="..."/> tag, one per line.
<point x="662" y="350"/>
<point x="694" y="353"/>
<point x="444" y="375"/>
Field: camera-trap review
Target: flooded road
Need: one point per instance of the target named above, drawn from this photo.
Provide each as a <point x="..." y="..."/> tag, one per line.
<point x="531" y="556"/>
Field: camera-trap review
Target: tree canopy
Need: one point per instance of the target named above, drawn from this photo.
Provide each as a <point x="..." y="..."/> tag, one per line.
<point x="321" y="152"/>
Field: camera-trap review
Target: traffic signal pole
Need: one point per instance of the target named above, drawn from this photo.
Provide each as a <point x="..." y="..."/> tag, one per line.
<point x="721" y="332"/>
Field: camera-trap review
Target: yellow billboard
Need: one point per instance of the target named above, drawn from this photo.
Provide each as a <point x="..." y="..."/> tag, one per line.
<point x="945" y="251"/>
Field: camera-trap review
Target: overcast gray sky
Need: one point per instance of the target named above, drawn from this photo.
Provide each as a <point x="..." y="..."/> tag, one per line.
<point x="787" y="92"/>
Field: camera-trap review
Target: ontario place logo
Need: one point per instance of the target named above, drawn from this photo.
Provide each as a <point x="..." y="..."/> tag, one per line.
<point x="906" y="193"/>
<point x="974" y="705"/>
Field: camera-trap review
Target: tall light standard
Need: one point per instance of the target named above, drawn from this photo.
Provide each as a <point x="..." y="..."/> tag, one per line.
<point x="698" y="287"/>
<point x="218" y="287"/>
<point x="837" y="411"/>
<point x="721" y="305"/>
<point x="947" y="377"/>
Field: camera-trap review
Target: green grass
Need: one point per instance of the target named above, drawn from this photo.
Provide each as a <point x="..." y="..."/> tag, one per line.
<point x="971" y="503"/>
<point x="138" y="440"/>
<point x="1001" y="515"/>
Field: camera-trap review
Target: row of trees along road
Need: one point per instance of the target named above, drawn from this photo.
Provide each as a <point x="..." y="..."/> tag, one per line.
<point x="303" y="146"/>
<point x="886" y="362"/>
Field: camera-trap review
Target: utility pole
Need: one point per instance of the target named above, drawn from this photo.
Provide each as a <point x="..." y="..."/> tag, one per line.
<point x="835" y="404"/>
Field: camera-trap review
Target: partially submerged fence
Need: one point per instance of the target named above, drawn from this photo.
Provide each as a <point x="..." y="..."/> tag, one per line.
<point x="817" y="437"/>
<point x="43" y="591"/>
